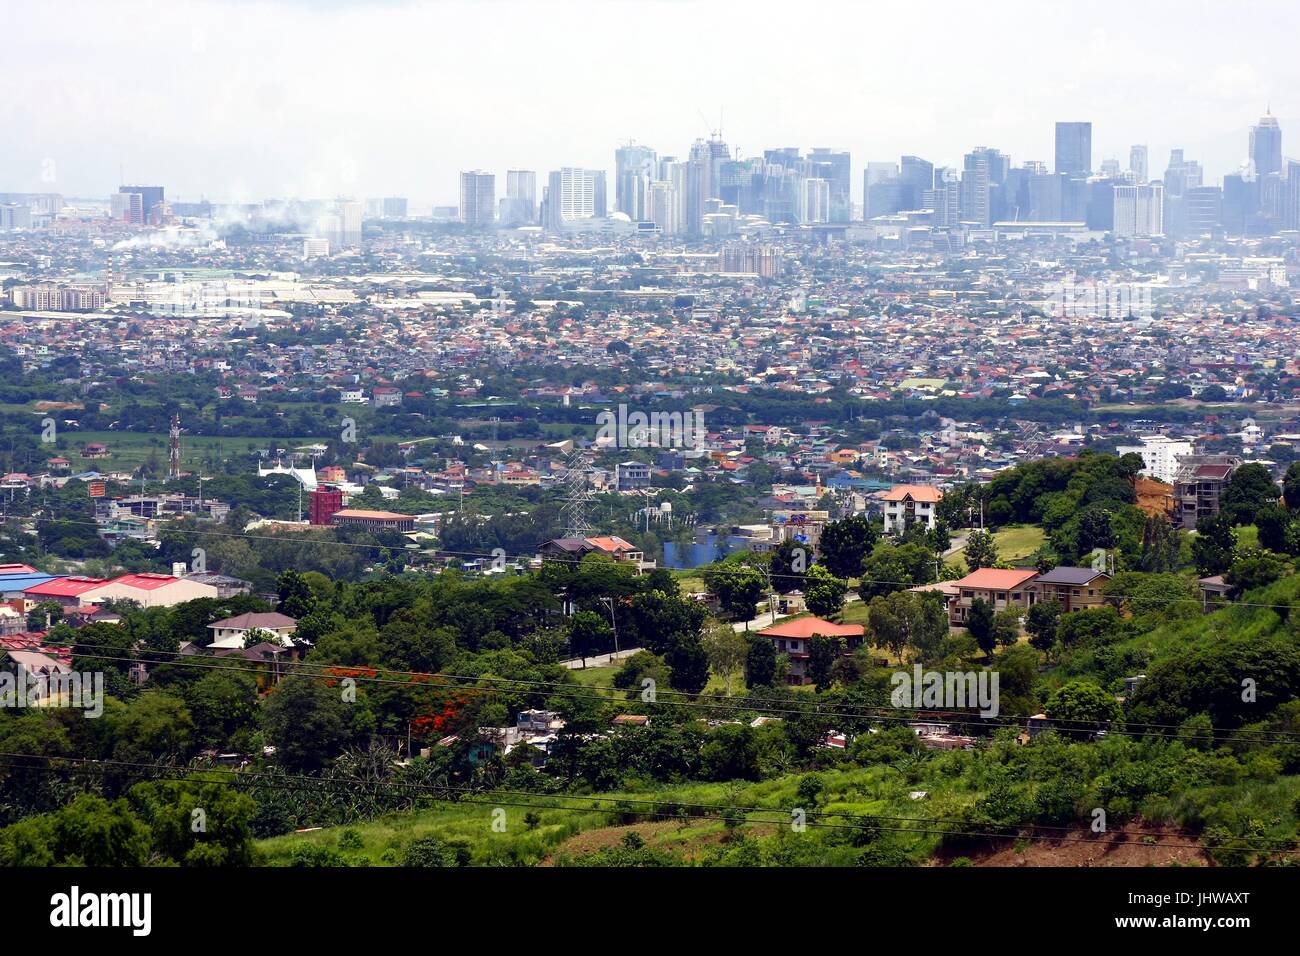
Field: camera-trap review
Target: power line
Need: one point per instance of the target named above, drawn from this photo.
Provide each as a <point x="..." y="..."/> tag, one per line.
<point x="620" y="804"/>
<point x="338" y="672"/>
<point x="742" y="569"/>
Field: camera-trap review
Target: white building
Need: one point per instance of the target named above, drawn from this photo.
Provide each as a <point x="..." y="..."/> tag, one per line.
<point x="1160" y="455"/>
<point x="1139" y="210"/>
<point x="149" y="590"/>
<point x="904" y="505"/>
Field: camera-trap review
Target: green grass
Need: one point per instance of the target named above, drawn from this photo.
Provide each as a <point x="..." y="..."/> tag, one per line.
<point x="1247" y="536"/>
<point x="383" y="841"/>
<point x="1014" y="544"/>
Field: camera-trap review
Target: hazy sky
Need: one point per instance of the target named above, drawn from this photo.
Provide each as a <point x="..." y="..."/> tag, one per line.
<point x="234" y="99"/>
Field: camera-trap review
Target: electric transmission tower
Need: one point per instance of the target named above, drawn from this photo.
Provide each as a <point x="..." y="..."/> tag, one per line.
<point x="577" y="497"/>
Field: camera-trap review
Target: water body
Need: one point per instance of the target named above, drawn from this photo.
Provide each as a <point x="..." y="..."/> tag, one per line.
<point x="705" y="549"/>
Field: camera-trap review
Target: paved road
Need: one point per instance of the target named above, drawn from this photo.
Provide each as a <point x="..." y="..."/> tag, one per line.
<point x="601" y="660"/>
<point x="768" y="619"/>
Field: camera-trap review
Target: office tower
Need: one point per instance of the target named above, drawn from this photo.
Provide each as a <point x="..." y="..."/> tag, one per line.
<point x="699" y="167"/>
<point x="736" y="185"/>
<point x="478" y="198"/>
<point x="663" y="207"/>
<point x="574" y="195"/>
<point x="1181" y="174"/>
<point x="1201" y="210"/>
<point x="1100" y="212"/>
<point x="350" y="214"/>
<point x="1044" y="190"/>
<point x="915" y="177"/>
<point x="1241" y="205"/>
<point x="519" y="205"/>
<point x="1137" y="163"/>
<point x="883" y="198"/>
<point x="1074" y="148"/>
<point x="1290" y="195"/>
<point x="634" y="170"/>
<point x="945" y="198"/>
<point x="881" y="190"/>
<point x="393" y="207"/>
<point x="1138" y="210"/>
<point x="139" y="205"/>
<point x="1266" y="146"/>
<point x="1110" y="168"/>
<point x="814" y="200"/>
<point x="836" y="163"/>
<point x="983" y="173"/>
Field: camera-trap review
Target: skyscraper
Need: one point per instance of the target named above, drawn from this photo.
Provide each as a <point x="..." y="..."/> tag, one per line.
<point x="139" y="205"/>
<point x="1074" y="148"/>
<point x="519" y="207"/>
<point x="836" y="165"/>
<point x="1137" y="163"/>
<point x="814" y="200"/>
<point x="1266" y="146"/>
<point x="574" y="194"/>
<point x="478" y="200"/>
<point x="915" y="176"/>
<point x="634" y="170"/>
<point x="1138" y="209"/>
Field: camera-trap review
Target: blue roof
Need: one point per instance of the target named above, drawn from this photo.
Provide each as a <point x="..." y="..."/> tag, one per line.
<point x="21" y="582"/>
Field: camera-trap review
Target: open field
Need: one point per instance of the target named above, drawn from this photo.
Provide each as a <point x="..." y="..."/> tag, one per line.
<point x="1014" y="544"/>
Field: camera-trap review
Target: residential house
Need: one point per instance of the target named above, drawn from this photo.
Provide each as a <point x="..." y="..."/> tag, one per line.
<point x="793" y="639"/>
<point x="998" y="587"/>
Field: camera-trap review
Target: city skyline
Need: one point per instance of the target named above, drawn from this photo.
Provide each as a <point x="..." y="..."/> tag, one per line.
<point x="320" y="92"/>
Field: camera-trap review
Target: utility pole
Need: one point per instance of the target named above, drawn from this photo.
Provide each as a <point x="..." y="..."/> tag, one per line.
<point x="612" y="623"/>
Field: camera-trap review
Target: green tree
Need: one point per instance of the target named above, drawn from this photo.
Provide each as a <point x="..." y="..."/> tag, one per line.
<point x="1081" y="704"/>
<point x="979" y="621"/>
<point x="589" y="635"/>
<point x="823" y="652"/>
<point x="981" y="551"/>
<point x="1041" y="622"/>
<point x="760" y="662"/>
<point x="1214" y="545"/>
<point x="727" y="650"/>
<point x="823" y="592"/>
<point x="308" y="722"/>
<point x="845" y="543"/>
<point x="1250" y="488"/>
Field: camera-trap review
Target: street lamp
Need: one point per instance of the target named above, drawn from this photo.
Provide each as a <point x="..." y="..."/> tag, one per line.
<point x="612" y="623"/>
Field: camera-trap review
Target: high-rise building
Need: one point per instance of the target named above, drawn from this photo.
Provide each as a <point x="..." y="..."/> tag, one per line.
<point x="1201" y="210"/>
<point x="663" y="207"/>
<point x="1138" y="210"/>
<point x="945" y="198"/>
<point x="519" y="207"/>
<point x="350" y="215"/>
<point x="1266" y="146"/>
<point x="478" y="198"/>
<point x="915" y="176"/>
<point x="983" y="173"/>
<point x="139" y="205"/>
<point x="1074" y="148"/>
<point x="393" y="207"/>
<point x="574" y="194"/>
<point x="835" y="167"/>
<point x="1137" y="163"/>
<point x="814" y="200"/>
<point x="634" y="170"/>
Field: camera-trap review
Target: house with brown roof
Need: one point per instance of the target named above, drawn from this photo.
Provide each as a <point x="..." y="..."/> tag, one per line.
<point x="233" y="632"/>
<point x="999" y="587"/>
<point x="793" y="639"/>
<point x="1075" y="589"/>
<point x="905" y="505"/>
